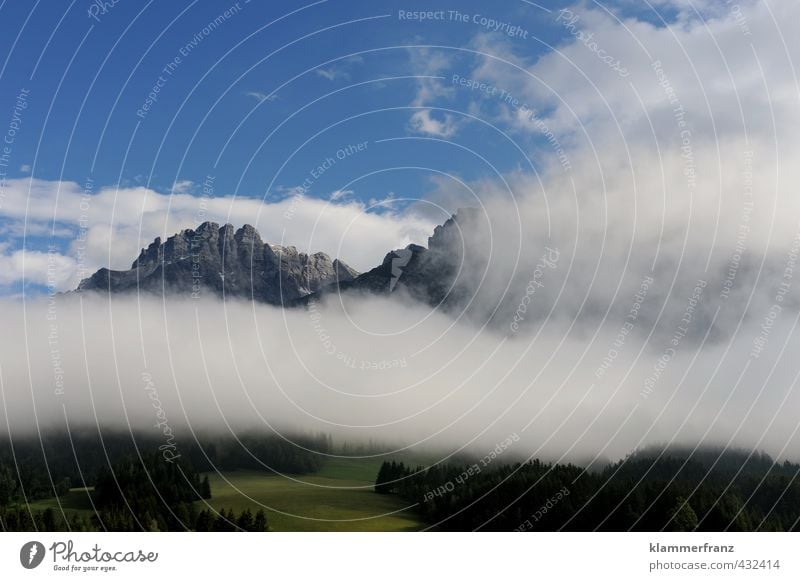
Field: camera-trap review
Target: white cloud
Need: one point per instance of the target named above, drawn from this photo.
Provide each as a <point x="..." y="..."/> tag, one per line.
<point x="182" y="187"/>
<point x="662" y="156"/>
<point x="339" y="70"/>
<point x="711" y="66"/>
<point x="339" y="194"/>
<point x="331" y="74"/>
<point x="262" y="96"/>
<point x="627" y="206"/>
<point x="111" y="226"/>
<point x="426" y="122"/>
<point x="689" y="189"/>
<point x="467" y="386"/>
<point x="18" y="229"/>
<point x="45" y="268"/>
<point x="686" y="12"/>
<point x="381" y="204"/>
<point x="430" y="65"/>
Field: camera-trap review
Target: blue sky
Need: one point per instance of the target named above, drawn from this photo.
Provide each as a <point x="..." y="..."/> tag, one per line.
<point x="89" y="79"/>
<point x="145" y="101"/>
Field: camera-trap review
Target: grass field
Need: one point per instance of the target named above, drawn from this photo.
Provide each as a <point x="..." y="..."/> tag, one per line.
<point x="339" y="497"/>
<point x="74" y="502"/>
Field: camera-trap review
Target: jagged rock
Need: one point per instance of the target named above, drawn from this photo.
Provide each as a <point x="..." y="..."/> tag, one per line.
<point x="236" y="263"/>
<point x="384" y="278"/>
<point x="224" y="262"/>
<point x="442" y="274"/>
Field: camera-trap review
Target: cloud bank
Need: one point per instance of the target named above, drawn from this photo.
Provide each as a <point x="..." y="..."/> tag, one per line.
<point x="669" y="316"/>
<point x="107" y="228"/>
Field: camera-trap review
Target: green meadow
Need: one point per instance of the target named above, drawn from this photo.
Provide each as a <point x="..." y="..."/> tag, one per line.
<point x="76" y="501"/>
<point x="339" y="497"/>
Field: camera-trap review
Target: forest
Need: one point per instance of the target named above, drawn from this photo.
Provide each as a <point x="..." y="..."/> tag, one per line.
<point x="139" y="483"/>
<point x="655" y="489"/>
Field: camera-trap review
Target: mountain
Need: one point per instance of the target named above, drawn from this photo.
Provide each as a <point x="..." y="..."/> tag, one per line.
<point x="223" y="262"/>
<point x="441" y="274"/>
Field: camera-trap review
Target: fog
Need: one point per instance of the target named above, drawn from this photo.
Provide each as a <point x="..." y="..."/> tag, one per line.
<point x="642" y="293"/>
<point x="594" y="322"/>
<point x="384" y="370"/>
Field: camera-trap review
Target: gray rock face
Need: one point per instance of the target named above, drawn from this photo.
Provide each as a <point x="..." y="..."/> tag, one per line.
<point x="222" y="261"/>
<point x="442" y="274"/>
<point x="448" y="274"/>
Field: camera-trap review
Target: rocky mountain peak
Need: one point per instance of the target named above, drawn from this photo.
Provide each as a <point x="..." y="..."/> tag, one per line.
<point x="224" y="261"/>
<point x="221" y="260"/>
<point x="456" y="229"/>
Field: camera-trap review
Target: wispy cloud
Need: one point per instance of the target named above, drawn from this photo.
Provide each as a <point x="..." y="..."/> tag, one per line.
<point x="428" y="63"/>
<point x="340" y="194"/>
<point x="434" y="124"/>
<point x="431" y="64"/>
<point x="268" y="97"/>
<point x="332" y="74"/>
<point x="182" y="186"/>
<point x="386" y="203"/>
<point x="339" y="70"/>
<point x="44" y="268"/>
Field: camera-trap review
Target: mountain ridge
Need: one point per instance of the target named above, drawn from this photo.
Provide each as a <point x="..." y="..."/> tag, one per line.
<point x="225" y="261"/>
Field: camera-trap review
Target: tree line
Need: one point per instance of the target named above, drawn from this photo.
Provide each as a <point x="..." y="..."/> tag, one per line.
<point x="132" y="486"/>
<point x="34" y="468"/>
<point x="651" y="490"/>
<point x="141" y="493"/>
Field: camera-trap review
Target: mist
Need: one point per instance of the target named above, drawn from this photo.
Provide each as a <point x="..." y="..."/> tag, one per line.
<point x="387" y="371"/>
<point x="641" y="293"/>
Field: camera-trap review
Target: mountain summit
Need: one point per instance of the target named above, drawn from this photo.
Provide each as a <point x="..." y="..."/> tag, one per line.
<point x="236" y="263"/>
<point x="441" y="274"/>
<point x="223" y="262"/>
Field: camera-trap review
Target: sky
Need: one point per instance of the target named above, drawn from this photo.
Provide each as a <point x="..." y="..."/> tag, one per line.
<point x="257" y="100"/>
<point x="135" y="116"/>
<point x="635" y="163"/>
